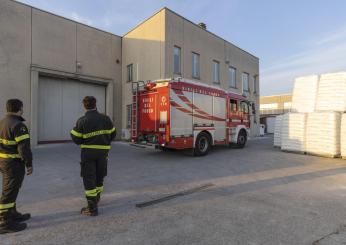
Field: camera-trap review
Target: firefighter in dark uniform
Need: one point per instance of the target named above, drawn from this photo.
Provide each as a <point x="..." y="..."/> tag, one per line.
<point x="94" y="133"/>
<point x="15" y="155"/>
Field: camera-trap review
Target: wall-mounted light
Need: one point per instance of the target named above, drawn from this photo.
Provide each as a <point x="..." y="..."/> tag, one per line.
<point x="79" y="65"/>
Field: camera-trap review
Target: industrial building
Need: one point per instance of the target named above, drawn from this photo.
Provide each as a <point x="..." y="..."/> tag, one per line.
<point x="272" y="106"/>
<point x="51" y="63"/>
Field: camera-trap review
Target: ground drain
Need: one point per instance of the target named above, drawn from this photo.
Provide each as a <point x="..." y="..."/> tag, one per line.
<point x="169" y="197"/>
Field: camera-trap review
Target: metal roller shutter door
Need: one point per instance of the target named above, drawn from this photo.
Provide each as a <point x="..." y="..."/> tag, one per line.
<point x="60" y="105"/>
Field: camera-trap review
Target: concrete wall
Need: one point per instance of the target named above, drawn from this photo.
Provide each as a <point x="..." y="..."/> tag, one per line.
<point x="191" y="38"/>
<point x="15" y="54"/>
<point x="32" y="41"/>
<point x="144" y="47"/>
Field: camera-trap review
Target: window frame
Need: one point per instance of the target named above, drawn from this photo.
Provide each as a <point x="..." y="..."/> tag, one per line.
<point x="248" y="82"/>
<point x="255" y="77"/>
<point x="198" y="65"/>
<point x="217" y="63"/>
<point x="235" y="77"/>
<point x="178" y="48"/>
<point x="129" y="75"/>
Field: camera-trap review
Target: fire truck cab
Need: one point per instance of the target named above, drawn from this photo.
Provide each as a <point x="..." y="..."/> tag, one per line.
<point x="182" y="114"/>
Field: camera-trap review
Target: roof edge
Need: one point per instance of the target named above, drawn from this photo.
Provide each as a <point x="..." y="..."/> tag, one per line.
<point x="145" y="20"/>
<point x="215" y="35"/>
<point x="66" y="18"/>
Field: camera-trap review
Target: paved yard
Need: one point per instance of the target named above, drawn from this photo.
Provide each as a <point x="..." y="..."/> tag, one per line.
<point x="260" y="196"/>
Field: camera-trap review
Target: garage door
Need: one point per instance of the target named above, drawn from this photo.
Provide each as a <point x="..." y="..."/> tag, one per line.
<point x="60" y="105"/>
<point x="270" y="125"/>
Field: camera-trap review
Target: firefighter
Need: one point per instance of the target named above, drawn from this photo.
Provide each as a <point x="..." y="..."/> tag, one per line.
<point x="94" y="133"/>
<point x="15" y="155"/>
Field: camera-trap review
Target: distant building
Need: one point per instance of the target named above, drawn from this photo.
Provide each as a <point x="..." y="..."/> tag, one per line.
<point x="271" y="106"/>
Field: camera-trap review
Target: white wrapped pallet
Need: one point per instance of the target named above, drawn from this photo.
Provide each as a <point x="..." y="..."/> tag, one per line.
<point x="293" y="132"/>
<point x="304" y="94"/>
<point x="323" y="133"/>
<point x="331" y="94"/>
<point x="277" y="131"/>
<point x="343" y="136"/>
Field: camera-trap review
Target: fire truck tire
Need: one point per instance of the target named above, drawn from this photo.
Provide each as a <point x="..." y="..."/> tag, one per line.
<point x="242" y="138"/>
<point x="202" y="145"/>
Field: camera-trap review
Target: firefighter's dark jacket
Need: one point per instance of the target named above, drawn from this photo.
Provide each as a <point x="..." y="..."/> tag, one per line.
<point x="94" y="131"/>
<point x="15" y="140"/>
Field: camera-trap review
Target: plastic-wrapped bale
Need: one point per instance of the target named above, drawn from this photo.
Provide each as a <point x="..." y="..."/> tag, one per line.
<point x="323" y="134"/>
<point x="331" y="94"/>
<point x="343" y="136"/>
<point x="277" y="131"/>
<point x="305" y="94"/>
<point x="293" y="132"/>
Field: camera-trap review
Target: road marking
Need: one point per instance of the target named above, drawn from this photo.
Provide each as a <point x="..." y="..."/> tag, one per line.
<point x="169" y="197"/>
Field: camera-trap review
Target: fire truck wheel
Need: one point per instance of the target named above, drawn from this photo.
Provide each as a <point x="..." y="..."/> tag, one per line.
<point x="242" y="138"/>
<point x="202" y="145"/>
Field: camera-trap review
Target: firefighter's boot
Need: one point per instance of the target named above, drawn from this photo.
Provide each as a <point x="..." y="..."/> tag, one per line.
<point x="18" y="217"/>
<point x="8" y="225"/>
<point x="91" y="209"/>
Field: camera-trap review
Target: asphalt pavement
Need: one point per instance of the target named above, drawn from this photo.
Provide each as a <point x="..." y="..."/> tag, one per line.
<point x="251" y="196"/>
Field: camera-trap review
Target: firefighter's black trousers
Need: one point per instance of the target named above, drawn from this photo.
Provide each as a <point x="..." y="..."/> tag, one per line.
<point x="93" y="170"/>
<point x="13" y="172"/>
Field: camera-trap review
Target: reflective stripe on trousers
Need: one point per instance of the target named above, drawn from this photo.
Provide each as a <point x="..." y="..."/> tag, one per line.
<point x="5" y="207"/>
<point x="3" y="155"/>
<point x="99" y="189"/>
<point x="91" y="193"/>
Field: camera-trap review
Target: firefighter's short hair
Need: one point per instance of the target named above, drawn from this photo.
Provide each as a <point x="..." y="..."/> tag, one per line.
<point x="89" y="102"/>
<point x="14" y="105"/>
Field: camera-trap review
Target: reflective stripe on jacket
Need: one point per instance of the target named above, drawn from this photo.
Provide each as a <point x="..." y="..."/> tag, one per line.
<point x="94" y="131"/>
<point x="15" y="139"/>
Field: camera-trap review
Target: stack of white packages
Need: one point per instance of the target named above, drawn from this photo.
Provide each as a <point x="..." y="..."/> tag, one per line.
<point x="323" y="133"/>
<point x="277" y="131"/>
<point x="305" y="93"/>
<point x="331" y="94"/>
<point x="293" y="132"/>
<point x="343" y="136"/>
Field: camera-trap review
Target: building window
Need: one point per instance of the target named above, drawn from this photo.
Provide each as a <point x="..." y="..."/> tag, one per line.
<point x="128" y="116"/>
<point x="177" y="60"/>
<point x="216" y="72"/>
<point x="232" y="77"/>
<point x="130" y="73"/>
<point x="195" y="65"/>
<point x="245" y="81"/>
<point x="255" y="84"/>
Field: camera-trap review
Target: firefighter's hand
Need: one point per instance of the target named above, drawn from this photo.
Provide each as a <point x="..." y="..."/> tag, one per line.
<point x="29" y="170"/>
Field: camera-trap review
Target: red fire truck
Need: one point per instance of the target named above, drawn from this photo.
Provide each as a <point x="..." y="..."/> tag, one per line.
<point x="182" y="114"/>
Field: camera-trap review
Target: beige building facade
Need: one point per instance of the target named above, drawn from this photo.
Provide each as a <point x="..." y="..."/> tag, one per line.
<point x="149" y="50"/>
<point x="50" y="63"/>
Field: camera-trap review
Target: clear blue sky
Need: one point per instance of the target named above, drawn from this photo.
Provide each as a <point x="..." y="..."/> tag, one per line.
<point x="291" y="37"/>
